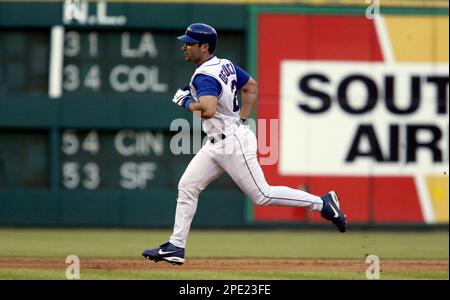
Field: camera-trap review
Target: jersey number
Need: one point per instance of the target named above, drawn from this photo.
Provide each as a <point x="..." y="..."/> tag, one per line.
<point x="235" y="99"/>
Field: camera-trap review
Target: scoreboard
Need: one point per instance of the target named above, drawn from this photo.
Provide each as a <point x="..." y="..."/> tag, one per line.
<point x="93" y="57"/>
<point x="85" y="99"/>
<point x="96" y="62"/>
<point x="89" y="134"/>
<point x="129" y="62"/>
<point x="24" y="57"/>
<point x="134" y="159"/>
<point x="24" y="159"/>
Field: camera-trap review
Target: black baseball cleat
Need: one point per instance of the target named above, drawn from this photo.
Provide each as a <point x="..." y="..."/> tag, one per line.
<point x="331" y="211"/>
<point x="167" y="252"/>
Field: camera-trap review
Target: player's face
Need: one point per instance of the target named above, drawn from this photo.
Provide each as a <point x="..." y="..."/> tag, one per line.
<point x="192" y="52"/>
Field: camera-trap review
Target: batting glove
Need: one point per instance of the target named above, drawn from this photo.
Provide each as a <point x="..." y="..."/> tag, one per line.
<point x="182" y="98"/>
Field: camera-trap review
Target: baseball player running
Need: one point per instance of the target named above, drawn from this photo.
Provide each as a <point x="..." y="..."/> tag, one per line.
<point x="231" y="146"/>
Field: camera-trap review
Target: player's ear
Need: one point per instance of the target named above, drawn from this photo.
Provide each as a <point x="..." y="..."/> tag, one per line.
<point x="205" y="47"/>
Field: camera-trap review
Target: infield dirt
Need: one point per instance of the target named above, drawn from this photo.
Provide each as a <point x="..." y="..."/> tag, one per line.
<point x="241" y="264"/>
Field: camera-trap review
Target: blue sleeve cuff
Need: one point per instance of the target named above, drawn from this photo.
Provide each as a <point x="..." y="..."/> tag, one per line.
<point x="186" y="103"/>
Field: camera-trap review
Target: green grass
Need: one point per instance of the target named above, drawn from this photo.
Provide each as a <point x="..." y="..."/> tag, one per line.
<point x="315" y="244"/>
<point x="213" y="243"/>
<point x="212" y="275"/>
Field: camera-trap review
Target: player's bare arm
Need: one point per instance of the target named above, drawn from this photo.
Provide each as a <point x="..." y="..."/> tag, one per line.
<point x="207" y="106"/>
<point x="249" y="96"/>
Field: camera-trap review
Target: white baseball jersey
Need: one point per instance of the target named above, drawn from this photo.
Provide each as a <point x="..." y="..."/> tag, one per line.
<point x="235" y="154"/>
<point x="227" y="112"/>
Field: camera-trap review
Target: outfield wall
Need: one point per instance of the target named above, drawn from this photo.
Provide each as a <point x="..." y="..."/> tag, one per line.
<point x="362" y="106"/>
<point x="85" y="120"/>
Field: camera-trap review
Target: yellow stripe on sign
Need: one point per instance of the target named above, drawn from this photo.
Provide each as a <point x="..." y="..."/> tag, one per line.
<point x="418" y="38"/>
<point x="438" y="191"/>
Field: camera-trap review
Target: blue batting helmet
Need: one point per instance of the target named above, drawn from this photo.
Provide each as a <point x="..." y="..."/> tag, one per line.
<point x="199" y="33"/>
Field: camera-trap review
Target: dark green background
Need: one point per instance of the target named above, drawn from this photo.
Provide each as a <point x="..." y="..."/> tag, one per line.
<point x="31" y="124"/>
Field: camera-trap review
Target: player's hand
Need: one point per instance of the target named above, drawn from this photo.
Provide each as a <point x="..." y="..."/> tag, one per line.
<point x="182" y="98"/>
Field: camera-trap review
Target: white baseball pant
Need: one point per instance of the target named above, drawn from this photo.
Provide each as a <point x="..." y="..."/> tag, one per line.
<point x="237" y="156"/>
